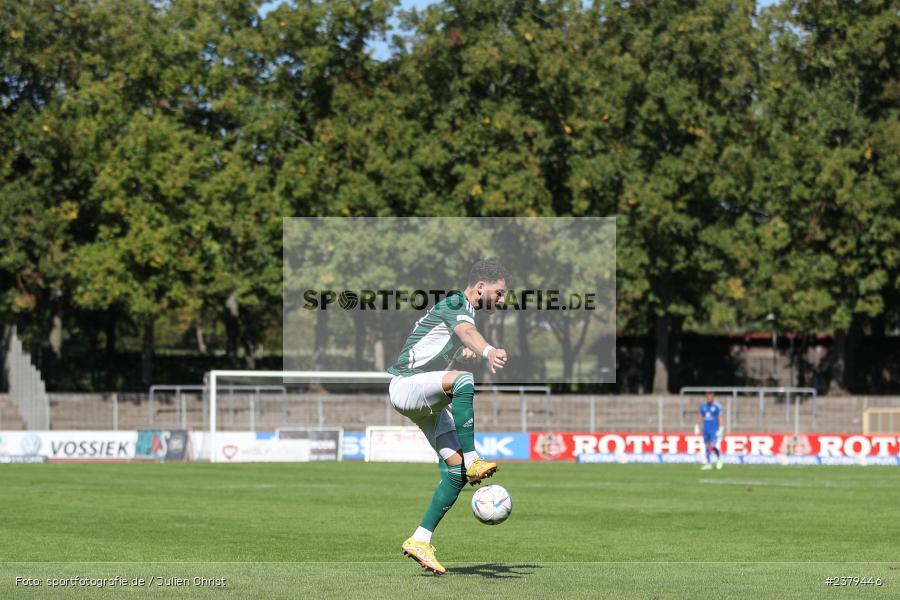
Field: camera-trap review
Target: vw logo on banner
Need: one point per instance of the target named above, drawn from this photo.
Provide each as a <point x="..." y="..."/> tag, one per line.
<point x="31" y="444"/>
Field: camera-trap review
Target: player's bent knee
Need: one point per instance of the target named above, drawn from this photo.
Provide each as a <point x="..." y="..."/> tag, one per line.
<point x="459" y="381"/>
<point x="450" y="378"/>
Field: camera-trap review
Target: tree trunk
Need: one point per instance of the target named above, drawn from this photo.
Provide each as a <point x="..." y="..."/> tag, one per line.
<point x="379" y="355"/>
<point x="110" y="349"/>
<point x="842" y="361"/>
<point x="879" y="326"/>
<point x="378" y="349"/>
<point x="232" y="326"/>
<point x="200" y="339"/>
<point x="675" y="339"/>
<point x="56" y="332"/>
<point x="359" y="343"/>
<point x="249" y="351"/>
<point x="147" y="355"/>
<point x="51" y="364"/>
<point x="648" y="350"/>
<point x="321" y="342"/>
<point x="585" y="323"/>
<point x="524" y="349"/>
<point x="562" y="329"/>
<point x="661" y="356"/>
<point x="525" y="367"/>
<point x="111" y="319"/>
<point x="568" y="357"/>
<point x="5" y="341"/>
<point x="801" y="351"/>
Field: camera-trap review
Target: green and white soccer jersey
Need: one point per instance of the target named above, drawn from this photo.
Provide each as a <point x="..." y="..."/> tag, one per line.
<point x="432" y="345"/>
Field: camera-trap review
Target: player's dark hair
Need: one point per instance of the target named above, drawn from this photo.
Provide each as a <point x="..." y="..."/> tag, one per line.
<point x="488" y="271"/>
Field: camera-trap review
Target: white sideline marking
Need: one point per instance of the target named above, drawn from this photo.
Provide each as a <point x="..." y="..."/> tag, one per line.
<point x="830" y="483"/>
<point x="403" y="564"/>
<point x="798" y="484"/>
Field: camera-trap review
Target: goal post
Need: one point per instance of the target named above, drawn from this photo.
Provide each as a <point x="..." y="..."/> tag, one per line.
<point x="276" y="415"/>
<point x="216" y="379"/>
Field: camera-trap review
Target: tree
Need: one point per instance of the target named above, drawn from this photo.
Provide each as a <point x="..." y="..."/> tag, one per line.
<point x="50" y="152"/>
<point x="144" y="257"/>
<point x="678" y="82"/>
<point x="827" y="217"/>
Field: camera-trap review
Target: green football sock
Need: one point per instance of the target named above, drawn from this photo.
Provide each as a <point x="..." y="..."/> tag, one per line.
<point x="463" y="411"/>
<point x="452" y="481"/>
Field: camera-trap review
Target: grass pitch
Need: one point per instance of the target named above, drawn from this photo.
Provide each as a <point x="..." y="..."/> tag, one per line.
<point x="333" y="530"/>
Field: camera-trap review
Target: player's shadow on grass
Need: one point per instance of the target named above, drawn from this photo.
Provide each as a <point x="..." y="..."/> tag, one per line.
<point x="495" y="570"/>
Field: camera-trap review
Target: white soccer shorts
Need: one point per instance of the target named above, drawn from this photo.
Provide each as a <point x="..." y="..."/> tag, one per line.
<point x="422" y="399"/>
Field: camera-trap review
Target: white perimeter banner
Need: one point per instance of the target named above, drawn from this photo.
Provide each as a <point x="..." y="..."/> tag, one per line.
<point x="119" y="446"/>
<point x="398" y="444"/>
<point x="70" y="445"/>
<point x="241" y="446"/>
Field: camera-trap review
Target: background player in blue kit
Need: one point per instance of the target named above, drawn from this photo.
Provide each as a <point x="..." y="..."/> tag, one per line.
<point x="712" y="431"/>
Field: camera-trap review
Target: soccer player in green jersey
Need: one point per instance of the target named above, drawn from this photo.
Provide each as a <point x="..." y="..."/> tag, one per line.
<point x="440" y="401"/>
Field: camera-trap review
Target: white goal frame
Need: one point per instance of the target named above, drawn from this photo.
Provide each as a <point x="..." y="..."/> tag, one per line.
<point x="301" y="376"/>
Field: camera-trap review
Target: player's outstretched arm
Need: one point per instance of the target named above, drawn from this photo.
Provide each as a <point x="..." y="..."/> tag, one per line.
<point x="474" y="341"/>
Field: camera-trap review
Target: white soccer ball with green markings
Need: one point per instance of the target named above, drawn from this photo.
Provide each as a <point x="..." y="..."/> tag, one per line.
<point x="492" y="504"/>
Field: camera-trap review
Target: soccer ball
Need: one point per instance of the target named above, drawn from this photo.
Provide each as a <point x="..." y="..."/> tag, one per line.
<point x="491" y="504"/>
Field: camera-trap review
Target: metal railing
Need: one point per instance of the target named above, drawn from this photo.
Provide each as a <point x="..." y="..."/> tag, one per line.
<point x="181" y="404"/>
<point x="245" y="406"/>
<point x="521" y="390"/>
<point x="760" y="394"/>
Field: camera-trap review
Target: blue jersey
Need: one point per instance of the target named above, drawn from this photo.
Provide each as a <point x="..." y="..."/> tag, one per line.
<point x="710" y="414"/>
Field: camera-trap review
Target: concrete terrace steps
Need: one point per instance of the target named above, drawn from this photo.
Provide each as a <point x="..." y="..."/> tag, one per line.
<point x="10" y="418"/>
